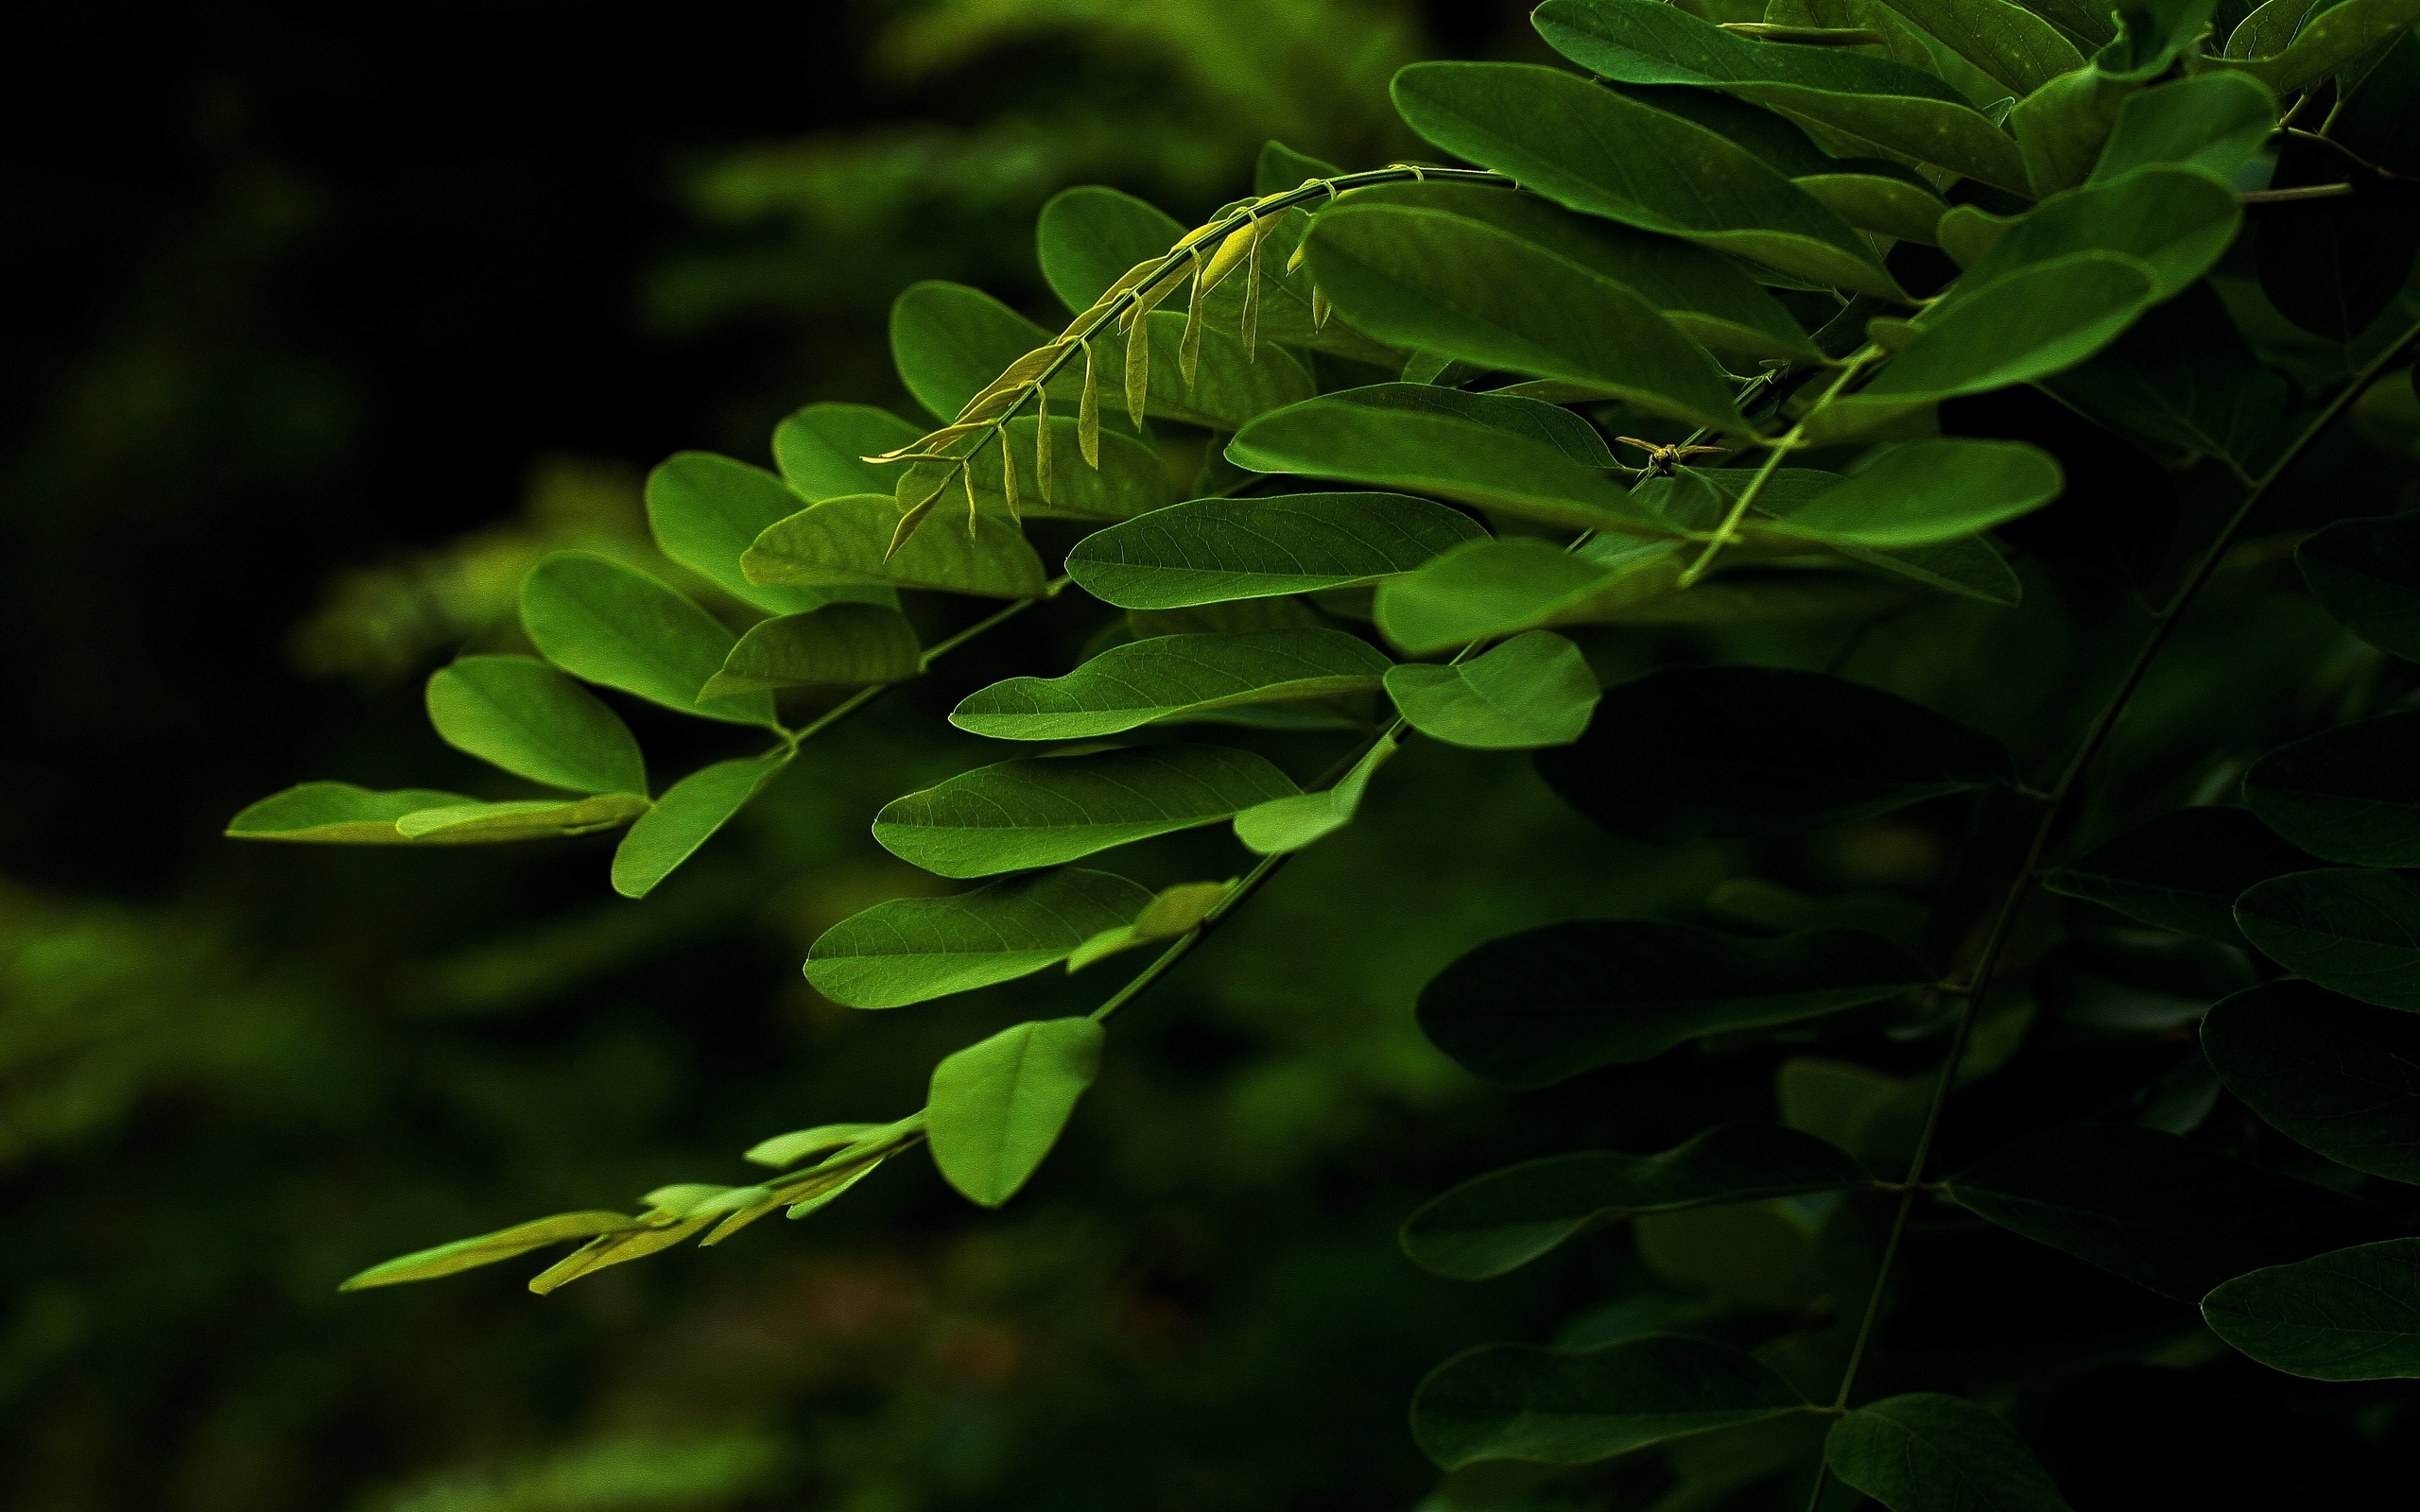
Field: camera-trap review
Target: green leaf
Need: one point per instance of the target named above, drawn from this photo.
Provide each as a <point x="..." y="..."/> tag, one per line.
<point x="2181" y="871"/>
<point x="1488" y="451"/>
<point x="2325" y="42"/>
<point x="2012" y="46"/>
<point x="1879" y="203"/>
<point x="1598" y="153"/>
<point x="1457" y="288"/>
<point x="1927" y="1452"/>
<point x="837" y="645"/>
<point x="997" y="1107"/>
<point x="1971" y="568"/>
<point x="1280" y="168"/>
<point x="2162" y="1211"/>
<point x="1924" y="492"/>
<point x="524" y="716"/>
<point x="1038" y="811"/>
<point x="1754" y="750"/>
<point x="1229" y="388"/>
<point x="910" y="950"/>
<point x="843" y="540"/>
<point x="949" y="342"/>
<point x="1213" y="550"/>
<point x="2366" y="572"/>
<point x="1534" y="690"/>
<point x="1709" y="296"/>
<point x="706" y="509"/>
<point x="1171" y="912"/>
<point x="1548" y="1003"/>
<point x="1483" y="589"/>
<point x="1173" y="677"/>
<point x="337" y="813"/>
<point x="788" y="1150"/>
<point x="1275" y="826"/>
<point x="618" y="1248"/>
<point x="822" y="451"/>
<point x="1130" y="476"/>
<point x="2337" y="1077"/>
<point x="686" y="816"/>
<point x="543" y="818"/>
<point x="2342" y="794"/>
<point x="1507" y="1218"/>
<point x="2184" y="377"/>
<point x="2214" y="122"/>
<point x="1088" y="237"/>
<point x="1886" y="105"/>
<point x="2354" y="932"/>
<point x="466" y="1254"/>
<point x="2174" y="221"/>
<point x="1573" y="1407"/>
<point x="2035" y="323"/>
<point x="2353" y="1314"/>
<point x="608" y="624"/>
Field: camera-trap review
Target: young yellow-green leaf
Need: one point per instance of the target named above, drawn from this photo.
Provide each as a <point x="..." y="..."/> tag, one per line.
<point x="1038" y="811"/>
<point x="2352" y="1315"/>
<point x="2174" y="221"/>
<point x="2366" y="572"/>
<point x="2334" y="1076"/>
<point x="2181" y="871"/>
<point x="2325" y="42"/>
<point x="1213" y="550"/>
<point x="466" y="1254"/>
<point x="1088" y="237"/>
<point x="2214" y="122"/>
<point x="1512" y="455"/>
<point x="2163" y="1212"/>
<point x="619" y="1248"/>
<point x="2354" y="932"/>
<point x="997" y="1107"/>
<point x="1574" y="1407"/>
<point x="822" y="451"/>
<point x="1927" y="1452"/>
<point x="1887" y="105"/>
<point x="1879" y="203"/>
<point x="1125" y="479"/>
<point x="1171" y="912"/>
<point x="686" y="816"/>
<point x="949" y="342"/>
<point x="524" y="716"/>
<point x="1544" y="1004"/>
<point x="337" y="813"/>
<point x="788" y="1150"/>
<point x="1466" y="290"/>
<point x="2342" y="794"/>
<point x="2035" y="323"/>
<point x="1278" y="825"/>
<point x="1229" y="388"/>
<point x="844" y="541"/>
<point x="706" y="509"/>
<point x="837" y="645"/>
<point x="522" y="819"/>
<point x="1484" y="589"/>
<point x="1710" y="297"/>
<point x="1505" y="1219"/>
<point x="608" y="624"/>
<point x="1173" y="677"/>
<point x="1599" y="152"/>
<point x="1922" y="492"/>
<point x="1755" y="751"/>
<point x="1534" y="690"/>
<point x="909" y="950"/>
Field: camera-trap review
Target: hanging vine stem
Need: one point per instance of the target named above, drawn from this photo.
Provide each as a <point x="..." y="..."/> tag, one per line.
<point x="1978" y="988"/>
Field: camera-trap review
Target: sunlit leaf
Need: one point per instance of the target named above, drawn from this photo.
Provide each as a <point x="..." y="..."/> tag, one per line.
<point x="1278" y="825"/>
<point x="466" y="1254"/>
<point x="1173" y="677"/>
<point x="1539" y="1006"/>
<point x="686" y="816"/>
<point x="524" y="716"/>
<point x="706" y="509"/>
<point x="2214" y="122"/>
<point x="997" y="1107"/>
<point x="2182" y="871"/>
<point x="1507" y="1218"/>
<point x="337" y="813"/>
<point x="1922" y="492"/>
<point x="2174" y="221"/>
<point x="1928" y="1452"/>
<point x="821" y="452"/>
<point x="837" y="645"/>
<point x="1572" y="1407"/>
<point x="522" y="819"/>
<point x="1172" y="912"/>
<point x="1212" y="550"/>
<point x="1534" y="690"/>
<point x="909" y="950"/>
<point x="2165" y="1213"/>
<point x="2354" y="932"/>
<point x="1727" y="751"/>
<point x="612" y="624"/>
<point x="788" y="1150"/>
<point x="2353" y="1314"/>
<point x="2329" y="1074"/>
<point x="949" y="342"/>
<point x="1038" y="811"/>
<point x="845" y="541"/>
<point x="1229" y="387"/>
<point x="2342" y="794"/>
<point x="1499" y="586"/>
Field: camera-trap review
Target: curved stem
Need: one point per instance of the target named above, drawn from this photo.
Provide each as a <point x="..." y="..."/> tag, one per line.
<point x="1773" y="461"/>
<point x="2054" y="809"/>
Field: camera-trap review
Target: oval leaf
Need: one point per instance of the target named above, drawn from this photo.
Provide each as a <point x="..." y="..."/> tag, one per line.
<point x="337" y="813"/>
<point x="1927" y="1452"/>
<point x="522" y="819"/>
<point x="1213" y="550"/>
<point x="910" y="950"/>
<point x="2367" y="574"/>
<point x="2357" y="933"/>
<point x="706" y="509"/>
<point x="844" y="541"/>
<point x="1490" y="588"/>
<point x="2345" y="794"/>
<point x="608" y="624"/>
<point x="1173" y="677"/>
<point x="685" y="818"/>
<point x="2339" y="1078"/>
<point x="1534" y="690"/>
<point x="2182" y="871"/>
<point x="997" y="1107"/>
<point x="822" y="451"/>
<point x="1040" y="811"/>
<point x="837" y="645"/>
<point x="2350" y="1316"/>
<point x="1928" y="491"/>
<point x="524" y="716"/>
